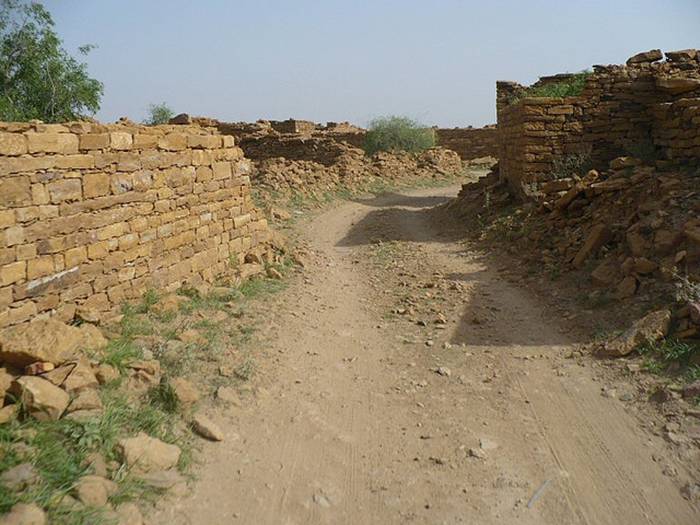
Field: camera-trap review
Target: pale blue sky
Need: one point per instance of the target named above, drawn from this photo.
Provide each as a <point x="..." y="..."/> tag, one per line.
<point x="436" y="61"/>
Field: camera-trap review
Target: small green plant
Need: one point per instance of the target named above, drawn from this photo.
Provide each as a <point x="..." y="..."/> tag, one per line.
<point x="245" y="370"/>
<point x="659" y="358"/>
<point x="685" y="289"/>
<point x="569" y="87"/>
<point x="398" y="134"/>
<point x="569" y="165"/>
<point x="163" y="396"/>
<point x="158" y="114"/>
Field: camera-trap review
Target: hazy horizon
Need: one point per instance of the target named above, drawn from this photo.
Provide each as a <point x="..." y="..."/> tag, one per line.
<point x="336" y="61"/>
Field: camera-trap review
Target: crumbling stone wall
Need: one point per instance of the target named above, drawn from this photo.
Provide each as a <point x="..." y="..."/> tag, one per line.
<point x="322" y="150"/>
<point x="469" y="143"/>
<point x="676" y="130"/>
<point x="305" y="127"/>
<point x="623" y="110"/>
<point x="92" y="215"/>
<point x="303" y="140"/>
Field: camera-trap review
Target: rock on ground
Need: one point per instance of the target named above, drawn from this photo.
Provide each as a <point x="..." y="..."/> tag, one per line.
<point x="94" y="491"/>
<point x="24" y="514"/>
<point x="650" y="328"/>
<point x="41" y="340"/>
<point x="129" y="514"/>
<point x="144" y="453"/>
<point x="185" y="391"/>
<point x="41" y="398"/>
<point x="206" y="428"/>
<point x="19" y="477"/>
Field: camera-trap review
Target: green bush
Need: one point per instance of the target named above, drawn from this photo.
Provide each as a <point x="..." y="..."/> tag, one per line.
<point x="569" y="165"/>
<point x="571" y="87"/>
<point x="397" y="134"/>
<point x="159" y="114"/>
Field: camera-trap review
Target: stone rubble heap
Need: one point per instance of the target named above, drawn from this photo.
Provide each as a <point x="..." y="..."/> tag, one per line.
<point x="631" y="232"/>
<point x="353" y="170"/>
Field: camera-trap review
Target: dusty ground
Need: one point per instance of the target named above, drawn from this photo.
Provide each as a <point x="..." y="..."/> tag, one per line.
<point x="404" y="381"/>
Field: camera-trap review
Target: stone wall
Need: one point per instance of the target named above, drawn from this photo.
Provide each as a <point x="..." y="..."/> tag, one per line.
<point x="305" y="127"/>
<point x="93" y="215"/>
<point x="304" y="140"/>
<point x="323" y="150"/>
<point x="676" y="130"/>
<point x="469" y="143"/>
<point x="622" y="110"/>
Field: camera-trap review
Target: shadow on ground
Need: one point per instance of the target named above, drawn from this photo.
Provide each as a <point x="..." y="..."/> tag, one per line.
<point x="497" y="312"/>
<point x="383" y="200"/>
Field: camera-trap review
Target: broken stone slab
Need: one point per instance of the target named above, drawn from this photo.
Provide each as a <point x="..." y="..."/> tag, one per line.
<point x="45" y="340"/>
<point x="162" y="479"/>
<point x="557" y="185"/>
<point x="86" y="400"/>
<point x="42" y="399"/>
<point x="106" y="374"/>
<point x="682" y="55"/>
<point x="563" y="202"/>
<point x="598" y="236"/>
<point x="677" y="85"/>
<point x="651" y="328"/>
<point x="24" y="514"/>
<point x="638" y="245"/>
<point x="646" y="56"/>
<point x="206" y="428"/>
<point x="186" y="393"/>
<point x="620" y="163"/>
<point x="38" y="368"/>
<point x="80" y="378"/>
<point x="627" y="287"/>
<point x="144" y="453"/>
<point x="92" y="337"/>
<point x="6" y="380"/>
<point x="605" y="274"/>
<point x="8" y="413"/>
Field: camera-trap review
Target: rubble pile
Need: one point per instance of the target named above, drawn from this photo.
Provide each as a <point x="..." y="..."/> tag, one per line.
<point x="352" y="170"/>
<point x="630" y="233"/>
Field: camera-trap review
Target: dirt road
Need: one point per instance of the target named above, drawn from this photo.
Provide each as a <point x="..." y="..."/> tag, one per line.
<point x="405" y="382"/>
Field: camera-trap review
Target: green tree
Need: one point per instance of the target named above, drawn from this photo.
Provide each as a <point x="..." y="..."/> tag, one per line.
<point x="38" y="78"/>
<point x="397" y="134"/>
<point x="159" y="114"/>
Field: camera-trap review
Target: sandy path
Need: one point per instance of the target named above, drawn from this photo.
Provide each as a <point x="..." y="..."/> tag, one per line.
<point x="355" y="426"/>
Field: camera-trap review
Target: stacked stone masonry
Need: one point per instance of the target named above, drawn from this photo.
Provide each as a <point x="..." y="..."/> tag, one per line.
<point x="647" y="108"/>
<point x="94" y="215"/>
<point x="469" y="143"/>
<point x="303" y="140"/>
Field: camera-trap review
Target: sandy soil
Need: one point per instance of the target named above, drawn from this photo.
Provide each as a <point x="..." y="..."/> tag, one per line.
<point x="406" y="382"/>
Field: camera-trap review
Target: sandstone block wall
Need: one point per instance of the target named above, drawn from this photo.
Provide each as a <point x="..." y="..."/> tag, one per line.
<point x="469" y="143"/>
<point x="303" y="140"/>
<point x="93" y="215"/>
<point x="676" y="130"/>
<point x="633" y="109"/>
